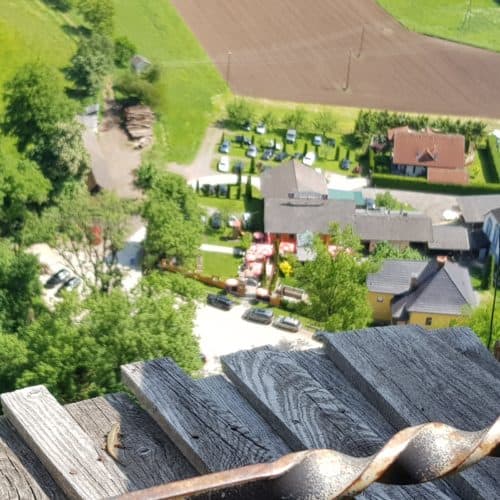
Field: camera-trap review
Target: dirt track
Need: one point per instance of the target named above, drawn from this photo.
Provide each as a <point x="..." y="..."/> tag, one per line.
<point x="297" y="51"/>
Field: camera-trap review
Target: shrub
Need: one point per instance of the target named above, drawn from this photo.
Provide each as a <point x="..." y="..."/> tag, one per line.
<point x="494" y="156"/>
<point x="124" y="50"/>
<point x="421" y="184"/>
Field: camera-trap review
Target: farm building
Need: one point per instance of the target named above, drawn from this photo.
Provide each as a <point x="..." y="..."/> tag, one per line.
<point x="351" y="397"/>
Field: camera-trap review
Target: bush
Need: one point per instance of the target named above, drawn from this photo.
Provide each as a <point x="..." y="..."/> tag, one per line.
<point x="124" y="51"/>
<point x="421" y="184"/>
<point x="494" y="156"/>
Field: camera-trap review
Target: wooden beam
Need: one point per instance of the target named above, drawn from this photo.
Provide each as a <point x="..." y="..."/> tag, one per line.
<point x="146" y="456"/>
<point x="77" y="466"/>
<point x="211" y="437"/>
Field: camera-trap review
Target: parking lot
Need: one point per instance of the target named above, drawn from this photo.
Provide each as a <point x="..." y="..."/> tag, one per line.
<point x="223" y="332"/>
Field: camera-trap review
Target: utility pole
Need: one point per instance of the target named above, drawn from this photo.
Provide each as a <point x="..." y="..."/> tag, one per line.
<point x="361" y="42"/>
<point x="228" y="68"/>
<point x="348" y="71"/>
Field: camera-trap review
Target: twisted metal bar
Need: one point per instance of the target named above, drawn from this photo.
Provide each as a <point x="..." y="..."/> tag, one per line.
<point x="414" y="455"/>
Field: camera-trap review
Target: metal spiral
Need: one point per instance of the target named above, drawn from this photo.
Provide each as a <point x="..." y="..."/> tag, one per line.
<point x="414" y="455"/>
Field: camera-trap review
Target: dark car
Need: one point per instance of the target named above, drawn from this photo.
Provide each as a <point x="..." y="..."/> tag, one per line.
<point x="280" y="156"/>
<point x="267" y="154"/>
<point x="331" y="142"/>
<point x="60" y="277"/>
<point x="69" y="285"/>
<point x="239" y="139"/>
<point x="216" y="220"/>
<point x="259" y="315"/>
<point x="287" y="323"/>
<point x="220" y="301"/>
<point x="223" y="189"/>
<point x="346" y="164"/>
<point x="238" y="167"/>
<point x="247" y="126"/>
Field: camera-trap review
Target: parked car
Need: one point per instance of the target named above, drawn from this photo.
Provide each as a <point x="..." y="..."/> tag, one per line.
<point x="69" y="285"/>
<point x="238" y="167"/>
<point x="57" y="278"/>
<point x="287" y="323"/>
<point x="252" y="151"/>
<point x="280" y="156"/>
<point x="216" y="220"/>
<point x="223" y="165"/>
<point x="346" y="164"/>
<point x="225" y="147"/>
<point x="243" y="139"/>
<point x="309" y="158"/>
<point x="208" y="189"/>
<point x="247" y="126"/>
<point x="267" y="154"/>
<point x="259" y="315"/>
<point x="370" y="204"/>
<point x="220" y="301"/>
<point x="332" y="143"/>
<point x="317" y="140"/>
<point x="291" y="136"/>
<point x="260" y="128"/>
<point x="223" y="188"/>
<point x="252" y="282"/>
<point x="239" y="252"/>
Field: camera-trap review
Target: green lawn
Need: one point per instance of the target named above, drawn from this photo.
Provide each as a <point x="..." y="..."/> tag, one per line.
<point x="29" y="30"/>
<point x="191" y="80"/>
<point x="448" y="19"/>
<point x="219" y="264"/>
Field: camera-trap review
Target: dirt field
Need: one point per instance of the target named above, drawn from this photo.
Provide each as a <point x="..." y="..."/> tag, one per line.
<point x="297" y="51"/>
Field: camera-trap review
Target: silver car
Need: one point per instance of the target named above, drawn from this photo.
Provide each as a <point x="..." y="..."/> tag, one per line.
<point x="287" y="323"/>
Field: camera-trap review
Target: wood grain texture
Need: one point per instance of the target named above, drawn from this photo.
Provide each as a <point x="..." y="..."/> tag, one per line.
<point x="148" y="458"/>
<point x="22" y="475"/>
<point x="226" y="395"/>
<point x="79" y="468"/>
<point x="209" y="436"/>
<point x="413" y="377"/>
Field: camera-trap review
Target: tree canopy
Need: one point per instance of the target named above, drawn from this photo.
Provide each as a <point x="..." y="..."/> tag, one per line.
<point x="240" y="111"/>
<point x="325" y="122"/>
<point x="98" y="13"/>
<point x="384" y="250"/>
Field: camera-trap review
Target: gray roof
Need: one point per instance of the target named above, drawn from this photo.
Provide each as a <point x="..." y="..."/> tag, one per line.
<point x="449" y="237"/>
<point x="444" y="289"/>
<point x="394" y="276"/>
<point x="496" y="214"/>
<point x="292" y="177"/>
<point x="474" y="208"/>
<point x="379" y="226"/>
<point x="297" y="216"/>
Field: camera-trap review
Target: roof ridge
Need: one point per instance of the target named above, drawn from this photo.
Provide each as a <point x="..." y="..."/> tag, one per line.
<point x="453" y="281"/>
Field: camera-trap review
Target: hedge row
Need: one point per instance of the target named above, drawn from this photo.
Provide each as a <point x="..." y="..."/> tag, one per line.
<point x="421" y="184"/>
<point x="494" y="155"/>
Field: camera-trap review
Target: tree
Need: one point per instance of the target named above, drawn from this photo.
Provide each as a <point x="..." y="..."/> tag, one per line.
<point x="239" y="111"/>
<point x="175" y="227"/>
<point x="479" y="319"/>
<point x="35" y="103"/>
<point x="88" y="232"/>
<point x="338" y="297"/>
<point x="98" y="13"/>
<point x="384" y="250"/>
<point x="296" y="119"/>
<point x="325" y="122"/>
<point x="62" y="154"/>
<point x="91" y="62"/>
<point x="124" y="51"/>
<point x="13" y="359"/>
<point x="270" y="120"/>
<point x="388" y="201"/>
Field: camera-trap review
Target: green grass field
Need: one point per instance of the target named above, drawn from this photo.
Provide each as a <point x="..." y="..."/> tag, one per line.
<point x="219" y="264"/>
<point x="449" y="19"/>
<point x="191" y="81"/>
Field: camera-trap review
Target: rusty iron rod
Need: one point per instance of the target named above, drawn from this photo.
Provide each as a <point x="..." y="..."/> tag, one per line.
<point x="414" y="455"/>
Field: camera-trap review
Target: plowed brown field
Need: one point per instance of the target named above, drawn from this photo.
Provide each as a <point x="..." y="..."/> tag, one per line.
<point x="296" y="50"/>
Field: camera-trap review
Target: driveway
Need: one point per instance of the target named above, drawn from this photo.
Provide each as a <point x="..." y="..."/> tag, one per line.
<point x="430" y="204"/>
<point x="223" y="332"/>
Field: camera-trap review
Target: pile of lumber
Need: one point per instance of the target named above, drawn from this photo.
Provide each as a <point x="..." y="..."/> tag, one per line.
<point x="139" y="122"/>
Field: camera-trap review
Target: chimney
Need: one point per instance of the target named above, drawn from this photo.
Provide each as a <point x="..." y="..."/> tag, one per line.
<point x="497" y="350"/>
<point x="441" y="260"/>
<point x="413" y="281"/>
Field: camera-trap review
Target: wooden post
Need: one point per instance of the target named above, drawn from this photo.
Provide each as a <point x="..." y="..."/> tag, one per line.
<point x="228" y="69"/>
<point x="348" y="71"/>
<point x="361" y="42"/>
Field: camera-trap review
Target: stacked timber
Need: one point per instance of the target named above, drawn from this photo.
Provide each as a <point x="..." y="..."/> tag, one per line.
<point x="139" y="121"/>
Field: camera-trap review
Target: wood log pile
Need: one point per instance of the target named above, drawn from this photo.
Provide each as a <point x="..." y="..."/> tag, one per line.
<point x="139" y="122"/>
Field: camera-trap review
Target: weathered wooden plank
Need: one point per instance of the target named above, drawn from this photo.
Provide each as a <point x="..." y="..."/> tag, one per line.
<point x="147" y="457"/>
<point x="22" y="475"/>
<point x="208" y="435"/>
<point x="466" y="342"/>
<point x="227" y="396"/>
<point x="324" y="371"/>
<point x="413" y="377"/>
<point x="68" y="454"/>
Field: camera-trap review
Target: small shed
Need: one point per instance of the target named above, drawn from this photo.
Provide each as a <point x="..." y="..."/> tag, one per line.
<point x="140" y="63"/>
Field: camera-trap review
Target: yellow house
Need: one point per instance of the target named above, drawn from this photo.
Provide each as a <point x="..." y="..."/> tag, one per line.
<point x="429" y="293"/>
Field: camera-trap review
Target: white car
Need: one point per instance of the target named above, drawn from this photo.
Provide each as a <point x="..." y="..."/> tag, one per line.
<point x="291" y="135"/>
<point x="260" y="128"/>
<point x="223" y="165"/>
<point x="309" y="158"/>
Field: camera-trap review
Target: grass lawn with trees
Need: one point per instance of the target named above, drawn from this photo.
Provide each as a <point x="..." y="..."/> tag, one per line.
<point x="450" y="19"/>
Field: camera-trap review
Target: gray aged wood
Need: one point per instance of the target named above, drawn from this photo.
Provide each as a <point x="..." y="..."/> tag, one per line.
<point x="148" y="458"/>
<point x="414" y="377"/>
<point x="226" y="395"/>
<point x="22" y="475"/>
<point x="209" y="436"/>
<point x="64" y="449"/>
